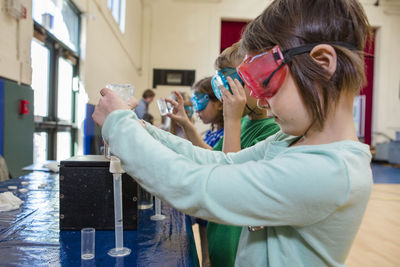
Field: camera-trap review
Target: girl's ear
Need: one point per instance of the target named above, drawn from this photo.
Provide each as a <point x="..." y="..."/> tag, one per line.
<point x="325" y="55"/>
<point x="220" y="106"/>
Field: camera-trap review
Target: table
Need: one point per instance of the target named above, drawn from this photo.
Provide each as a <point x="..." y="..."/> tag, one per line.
<point x="30" y="236"/>
<point x="39" y="166"/>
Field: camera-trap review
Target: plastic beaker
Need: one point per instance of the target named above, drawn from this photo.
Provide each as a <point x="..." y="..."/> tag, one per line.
<point x="157" y="216"/>
<point x="125" y="91"/>
<point x="164" y="107"/>
<point x="145" y="199"/>
<point x="87" y="243"/>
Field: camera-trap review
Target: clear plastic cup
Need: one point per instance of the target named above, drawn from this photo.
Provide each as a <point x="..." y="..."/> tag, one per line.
<point x="164" y="107"/>
<point x="145" y="199"/>
<point x="87" y="243"/>
<point x="125" y="91"/>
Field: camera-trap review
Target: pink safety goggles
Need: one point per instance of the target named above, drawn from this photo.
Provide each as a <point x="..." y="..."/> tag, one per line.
<point x="264" y="74"/>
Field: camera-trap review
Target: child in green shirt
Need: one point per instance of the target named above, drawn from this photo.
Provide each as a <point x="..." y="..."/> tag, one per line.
<point x="240" y="132"/>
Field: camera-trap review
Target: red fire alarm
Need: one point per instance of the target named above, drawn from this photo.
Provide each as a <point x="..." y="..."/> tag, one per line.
<point x="24" y="107"/>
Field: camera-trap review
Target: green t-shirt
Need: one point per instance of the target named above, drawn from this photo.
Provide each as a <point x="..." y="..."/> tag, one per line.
<point x="223" y="239"/>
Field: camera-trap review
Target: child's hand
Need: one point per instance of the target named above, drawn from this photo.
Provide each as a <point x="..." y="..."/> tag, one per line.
<point x="233" y="103"/>
<point x="109" y="102"/>
<point x="179" y="114"/>
<point x="133" y="103"/>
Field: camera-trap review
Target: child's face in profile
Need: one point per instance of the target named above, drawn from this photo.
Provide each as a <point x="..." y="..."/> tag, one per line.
<point x="288" y="108"/>
<point x="210" y="113"/>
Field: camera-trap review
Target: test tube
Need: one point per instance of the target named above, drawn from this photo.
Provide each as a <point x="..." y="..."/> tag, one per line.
<point x="157" y="216"/>
<point x="87" y="243"/>
<point x="116" y="170"/>
<point x="107" y="152"/>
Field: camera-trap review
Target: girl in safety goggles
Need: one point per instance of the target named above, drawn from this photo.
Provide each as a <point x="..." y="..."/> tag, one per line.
<point x="209" y="110"/>
<point x="300" y="195"/>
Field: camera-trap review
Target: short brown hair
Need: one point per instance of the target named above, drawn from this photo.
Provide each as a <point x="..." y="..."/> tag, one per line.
<point x="292" y="23"/>
<point x="204" y="86"/>
<point x="148" y="93"/>
<point x="231" y="57"/>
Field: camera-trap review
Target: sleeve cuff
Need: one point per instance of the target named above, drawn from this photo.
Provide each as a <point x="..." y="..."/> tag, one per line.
<point x="111" y="119"/>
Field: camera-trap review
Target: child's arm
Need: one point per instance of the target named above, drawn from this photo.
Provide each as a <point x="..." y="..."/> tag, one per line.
<point x="193" y="136"/>
<point x="170" y="140"/>
<point x="177" y="144"/>
<point x="288" y="190"/>
<point x="179" y="116"/>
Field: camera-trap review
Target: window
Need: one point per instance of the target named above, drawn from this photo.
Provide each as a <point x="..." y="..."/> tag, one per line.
<point x="40" y="59"/>
<point x="60" y="18"/>
<point x="118" y="10"/>
<point x="55" y="61"/>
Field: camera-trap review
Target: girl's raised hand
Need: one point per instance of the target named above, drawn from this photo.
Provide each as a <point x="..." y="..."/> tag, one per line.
<point x="108" y="102"/>
<point x="179" y="115"/>
<point x="233" y="103"/>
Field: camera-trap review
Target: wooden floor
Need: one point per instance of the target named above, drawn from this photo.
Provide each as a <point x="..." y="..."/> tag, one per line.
<point x="378" y="241"/>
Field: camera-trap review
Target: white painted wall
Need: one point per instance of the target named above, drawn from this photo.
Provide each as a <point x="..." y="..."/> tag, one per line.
<point x="15" y="45"/>
<point x="185" y="34"/>
<point x="109" y="56"/>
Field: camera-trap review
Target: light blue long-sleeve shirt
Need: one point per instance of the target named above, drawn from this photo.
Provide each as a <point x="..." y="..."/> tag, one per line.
<point x="310" y="198"/>
<point x="142" y="108"/>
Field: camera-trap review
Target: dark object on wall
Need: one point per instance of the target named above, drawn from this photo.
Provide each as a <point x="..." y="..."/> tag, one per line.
<point x="23" y="107"/>
<point x="231" y="32"/>
<point x="87" y="197"/>
<point x="173" y="77"/>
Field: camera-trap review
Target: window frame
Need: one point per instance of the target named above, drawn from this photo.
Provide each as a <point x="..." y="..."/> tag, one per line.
<point x="51" y="124"/>
<point x="121" y="17"/>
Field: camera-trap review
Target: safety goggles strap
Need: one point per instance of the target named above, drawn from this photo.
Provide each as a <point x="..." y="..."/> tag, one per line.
<point x="227" y="71"/>
<point x="290" y="53"/>
<point x="265" y="83"/>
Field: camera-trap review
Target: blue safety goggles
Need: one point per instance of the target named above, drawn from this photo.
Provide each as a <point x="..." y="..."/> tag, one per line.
<point x="189" y="111"/>
<point x="219" y="79"/>
<point x="200" y="101"/>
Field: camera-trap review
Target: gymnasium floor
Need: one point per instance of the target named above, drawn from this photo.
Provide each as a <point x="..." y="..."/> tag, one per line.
<point x="378" y="241"/>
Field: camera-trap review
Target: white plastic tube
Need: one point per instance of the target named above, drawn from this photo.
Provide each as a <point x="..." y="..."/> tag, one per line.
<point x="116" y="170"/>
<point x="157" y="216"/>
<point x="119" y="227"/>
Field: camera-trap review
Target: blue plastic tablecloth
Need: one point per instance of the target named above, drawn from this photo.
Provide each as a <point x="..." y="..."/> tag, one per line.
<point x="30" y="236"/>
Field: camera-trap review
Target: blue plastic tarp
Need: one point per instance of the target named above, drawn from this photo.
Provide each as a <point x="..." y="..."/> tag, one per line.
<point x="30" y="236"/>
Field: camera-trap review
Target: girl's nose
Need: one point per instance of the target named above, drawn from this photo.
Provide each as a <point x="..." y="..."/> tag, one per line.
<point x="263" y="103"/>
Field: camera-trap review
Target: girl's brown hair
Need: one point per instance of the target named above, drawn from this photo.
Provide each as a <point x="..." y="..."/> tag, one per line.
<point x="204" y="86"/>
<point x="292" y="23"/>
